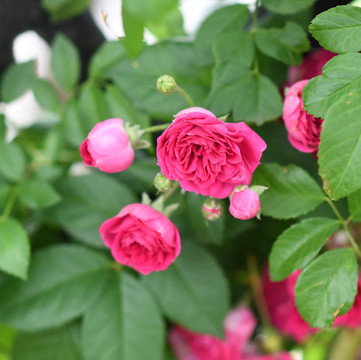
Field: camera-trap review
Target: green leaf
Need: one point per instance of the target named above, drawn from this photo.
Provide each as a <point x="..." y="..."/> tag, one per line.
<point x="46" y="95"/>
<point x="220" y="21"/>
<point x="340" y="147"/>
<point x="17" y="78"/>
<point x="132" y="324"/>
<point x="7" y="336"/>
<point x="64" y="9"/>
<point x="73" y="127"/>
<point x="56" y="344"/>
<point x="354" y="205"/>
<point x="65" y="62"/>
<point x="287" y="6"/>
<point x="340" y="76"/>
<point x="12" y="164"/>
<point x="327" y="287"/>
<point x="286" y="44"/>
<point x="64" y="280"/>
<point x="38" y="194"/>
<point x="298" y="245"/>
<point x="87" y="202"/>
<point x="338" y="29"/>
<point x="193" y="291"/>
<point x="292" y="191"/>
<point x="14" y="248"/>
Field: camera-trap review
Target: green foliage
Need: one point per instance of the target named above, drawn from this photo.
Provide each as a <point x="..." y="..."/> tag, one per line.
<point x="13" y="162"/>
<point x="292" y="191"/>
<point x="298" y="245"/>
<point x="354" y="205"/>
<point x="193" y="291"/>
<point x="327" y="287"/>
<point x="134" y="328"/>
<point x="46" y="95"/>
<point x="287" y="6"/>
<point x="338" y="29"/>
<point x="64" y="9"/>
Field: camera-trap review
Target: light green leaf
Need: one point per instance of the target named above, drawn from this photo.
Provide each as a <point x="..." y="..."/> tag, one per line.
<point x="64" y="280"/>
<point x="56" y="344"/>
<point x="46" y="95"/>
<point x="87" y="202"/>
<point x="298" y="245"/>
<point x="16" y="79"/>
<point x="64" y="9"/>
<point x="327" y="287"/>
<point x="223" y="20"/>
<point x="12" y="164"/>
<point x="291" y="191"/>
<point x="340" y="76"/>
<point x="132" y="324"/>
<point x="7" y="336"/>
<point x="193" y="292"/>
<point x="286" y="44"/>
<point x="354" y="205"/>
<point x="338" y="29"/>
<point x="14" y="248"/>
<point x="340" y="147"/>
<point x="154" y="10"/>
<point x="65" y="62"/>
<point x="38" y="194"/>
<point x="287" y="6"/>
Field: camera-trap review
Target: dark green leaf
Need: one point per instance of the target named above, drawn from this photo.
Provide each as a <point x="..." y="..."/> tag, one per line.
<point x="46" y="95"/>
<point x="64" y="280"/>
<point x="193" y="291"/>
<point x="16" y="79"/>
<point x="132" y="327"/>
<point x="38" y="194"/>
<point x="64" y="9"/>
<point x="58" y="344"/>
<point x="286" y="44"/>
<point x="340" y="147"/>
<point x="87" y="202"/>
<point x="14" y="248"/>
<point x="354" y="205"/>
<point x="65" y="62"/>
<point x="327" y="287"/>
<point x="12" y="164"/>
<point x="338" y="29"/>
<point x="292" y="191"/>
<point x="287" y="6"/>
<point x="298" y="245"/>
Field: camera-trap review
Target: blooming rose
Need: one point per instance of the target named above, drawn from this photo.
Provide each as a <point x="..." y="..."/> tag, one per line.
<point x="107" y="147"/>
<point x="278" y="356"/>
<point x="208" y="156"/>
<point x="280" y="300"/>
<point x="303" y="129"/>
<point x="245" y="204"/>
<point x="141" y="237"/>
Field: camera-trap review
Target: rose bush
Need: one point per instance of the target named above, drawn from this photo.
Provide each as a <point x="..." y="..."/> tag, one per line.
<point x="141" y="237"/>
<point x="206" y="155"/>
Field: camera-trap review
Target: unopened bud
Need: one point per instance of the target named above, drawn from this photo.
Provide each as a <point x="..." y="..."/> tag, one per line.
<point x="245" y="204"/>
<point x="166" y="84"/>
<point x="162" y="183"/>
<point x="212" y="209"/>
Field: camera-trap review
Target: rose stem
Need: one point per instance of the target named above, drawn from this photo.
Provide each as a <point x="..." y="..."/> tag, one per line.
<point x="186" y="96"/>
<point x="156" y="128"/>
<point x="9" y="205"/>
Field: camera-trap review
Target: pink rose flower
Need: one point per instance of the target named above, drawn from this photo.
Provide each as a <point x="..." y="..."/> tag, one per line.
<point x="107" y="147"/>
<point x="208" y="156"/>
<point x="352" y="319"/>
<point x="141" y="237"/>
<point x="303" y="129"/>
<point x="245" y="204"/>
<point x="281" y="304"/>
<point x="277" y="356"/>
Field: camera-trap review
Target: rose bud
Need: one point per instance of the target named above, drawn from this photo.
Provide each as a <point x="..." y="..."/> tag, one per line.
<point x="303" y="129"/>
<point x="245" y="204"/>
<point x="166" y="84"/>
<point x="212" y="209"/>
<point x="162" y="183"/>
<point x="206" y="155"/>
<point x="107" y="147"/>
<point x="142" y="238"/>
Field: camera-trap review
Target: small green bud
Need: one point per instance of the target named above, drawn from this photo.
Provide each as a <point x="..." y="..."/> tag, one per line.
<point x="212" y="209"/>
<point x="162" y="183"/>
<point x="166" y="84"/>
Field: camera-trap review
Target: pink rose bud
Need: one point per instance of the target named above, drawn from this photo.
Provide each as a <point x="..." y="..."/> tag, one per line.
<point x="212" y="209"/>
<point x="303" y="129"/>
<point x="107" y="147"/>
<point x="206" y="155"/>
<point x="141" y="237"/>
<point x="245" y="204"/>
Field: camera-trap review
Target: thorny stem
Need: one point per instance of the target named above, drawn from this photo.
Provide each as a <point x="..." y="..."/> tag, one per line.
<point x="186" y="96"/>
<point x="156" y="128"/>
<point x="344" y="225"/>
<point x="9" y="205"/>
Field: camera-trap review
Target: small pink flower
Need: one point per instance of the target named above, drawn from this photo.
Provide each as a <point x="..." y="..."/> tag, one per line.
<point x="245" y="204"/>
<point x="212" y="209"/>
<point x="303" y="129"/>
<point x="107" y="147"/>
<point x="141" y="237"/>
<point x="208" y="156"/>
